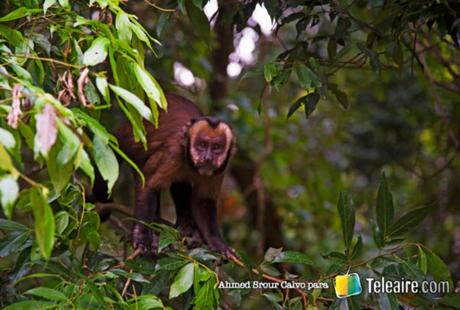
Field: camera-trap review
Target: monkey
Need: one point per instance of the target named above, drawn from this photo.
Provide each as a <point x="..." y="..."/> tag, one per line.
<point x="187" y="154"/>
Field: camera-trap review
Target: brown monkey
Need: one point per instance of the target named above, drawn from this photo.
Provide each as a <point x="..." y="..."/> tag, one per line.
<point x="187" y="154"/>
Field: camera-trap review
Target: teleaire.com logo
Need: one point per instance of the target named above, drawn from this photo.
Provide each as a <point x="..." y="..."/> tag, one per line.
<point x="347" y="285"/>
<point x="350" y="285"/>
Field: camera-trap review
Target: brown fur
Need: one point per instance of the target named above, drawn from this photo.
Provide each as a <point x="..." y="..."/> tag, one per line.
<point x="165" y="163"/>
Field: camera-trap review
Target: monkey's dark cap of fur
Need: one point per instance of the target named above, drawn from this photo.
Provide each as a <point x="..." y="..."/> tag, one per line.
<point x="212" y="121"/>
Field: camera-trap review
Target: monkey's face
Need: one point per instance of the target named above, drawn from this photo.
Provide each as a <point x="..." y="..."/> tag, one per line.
<point x="209" y="146"/>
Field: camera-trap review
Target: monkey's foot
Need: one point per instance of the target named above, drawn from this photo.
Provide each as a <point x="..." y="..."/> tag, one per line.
<point x="193" y="241"/>
<point x="144" y="239"/>
<point x="191" y="235"/>
<point x="223" y="249"/>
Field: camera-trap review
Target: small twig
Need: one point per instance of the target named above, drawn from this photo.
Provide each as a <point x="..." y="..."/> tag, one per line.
<point x="62" y="63"/>
<point x="158" y="7"/>
<point x="128" y="281"/>
<point x="135" y="254"/>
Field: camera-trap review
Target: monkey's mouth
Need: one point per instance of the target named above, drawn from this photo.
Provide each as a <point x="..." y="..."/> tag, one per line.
<point x="205" y="172"/>
<point x="206" y="169"/>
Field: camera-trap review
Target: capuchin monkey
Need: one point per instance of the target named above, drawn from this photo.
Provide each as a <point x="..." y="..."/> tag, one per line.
<point x="187" y="154"/>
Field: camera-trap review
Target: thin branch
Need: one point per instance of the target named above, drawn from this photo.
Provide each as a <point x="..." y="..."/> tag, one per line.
<point x="59" y="62"/>
<point x="158" y="7"/>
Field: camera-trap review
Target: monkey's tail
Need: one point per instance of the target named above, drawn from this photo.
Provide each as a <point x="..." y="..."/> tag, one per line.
<point x="100" y="195"/>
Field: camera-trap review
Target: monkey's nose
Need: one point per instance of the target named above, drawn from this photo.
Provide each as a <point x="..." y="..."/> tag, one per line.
<point x="207" y="158"/>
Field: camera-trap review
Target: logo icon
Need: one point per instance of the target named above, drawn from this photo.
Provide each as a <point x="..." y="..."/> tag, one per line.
<point x="347" y="285"/>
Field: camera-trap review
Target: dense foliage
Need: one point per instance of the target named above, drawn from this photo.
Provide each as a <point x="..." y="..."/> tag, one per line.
<point x="72" y="71"/>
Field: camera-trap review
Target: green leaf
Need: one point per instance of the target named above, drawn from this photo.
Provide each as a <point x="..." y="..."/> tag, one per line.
<point x="357" y="248"/>
<point x="205" y="297"/>
<point x="200" y="275"/>
<point x="183" y="281"/>
<point x="171" y="262"/>
<point x="14" y="243"/>
<point x="91" y="93"/>
<point x="150" y="86"/>
<point x="273" y="8"/>
<point x="422" y="260"/>
<point x="70" y="143"/>
<point x="146" y="302"/>
<point x="62" y="221"/>
<point x="136" y="122"/>
<point x="58" y="173"/>
<point x="84" y="163"/>
<point x="437" y="268"/>
<point x="452" y="300"/>
<point x="19" y="13"/>
<point x="31" y="304"/>
<point x="311" y="101"/>
<point x="9" y="190"/>
<point x="408" y="221"/>
<point x="199" y="21"/>
<point x="11" y="225"/>
<point x="384" y="207"/>
<point x="336" y="257"/>
<point x="295" y="106"/>
<point x="167" y="236"/>
<point x="377" y="236"/>
<point x="270" y="71"/>
<point x="64" y="3"/>
<point x="95" y="126"/>
<point x="97" y="52"/>
<point x="292" y="17"/>
<point x="106" y="162"/>
<point x="395" y="52"/>
<point x="140" y="33"/>
<point x="137" y="277"/>
<point x="103" y="87"/>
<point x="347" y="218"/>
<point x="293" y="257"/>
<point x="47" y="4"/>
<point x="13" y="36"/>
<point x="306" y="76"/>
<point x="47" y="293"/>
<point x="123" y="26"/>
<point x="44" y="222"/>
<point x="341" y="97"/>
<point x="269" y="269"/>
<point x="128" y="160"/>
<point x="134" y="101"/>
<point x="5" y="161"/>
<point x="7" y="139"/>
<point x="275" y="298"/>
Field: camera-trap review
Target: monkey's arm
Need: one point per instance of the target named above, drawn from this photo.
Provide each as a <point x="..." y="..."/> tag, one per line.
<point x="146" y="210"/>
<point x="204" y="209"/>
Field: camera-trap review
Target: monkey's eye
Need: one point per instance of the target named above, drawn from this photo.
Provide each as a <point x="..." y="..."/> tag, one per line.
<point x="216" y="147"/>
<point x="202" y="144"/>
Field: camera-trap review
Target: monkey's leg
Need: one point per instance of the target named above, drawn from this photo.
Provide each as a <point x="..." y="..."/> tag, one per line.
<point x="146" y="210"/>
<point x="205" y="214"/>
<point x="181" y="194"/>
